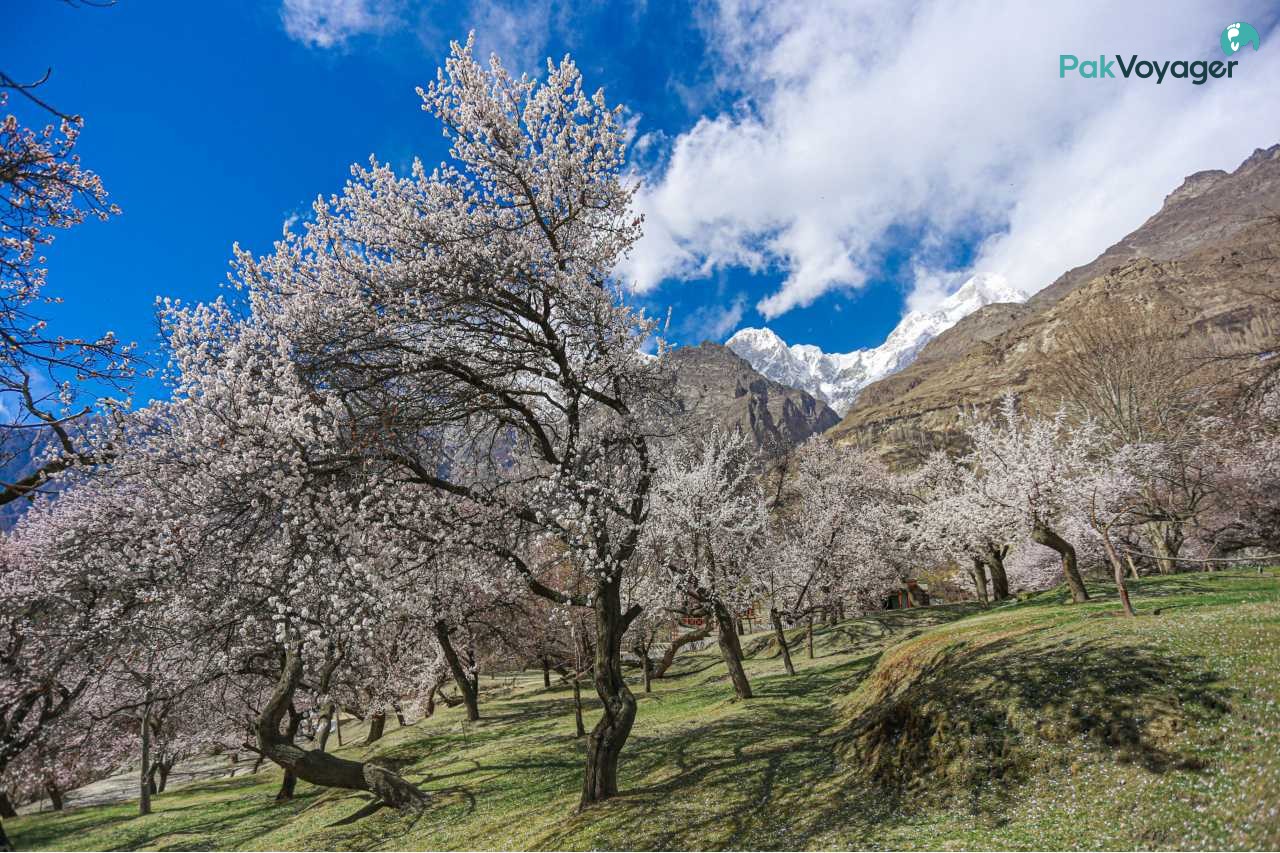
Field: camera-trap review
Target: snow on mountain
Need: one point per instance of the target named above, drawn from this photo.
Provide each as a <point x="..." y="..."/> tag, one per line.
<point x="836" y="378"/>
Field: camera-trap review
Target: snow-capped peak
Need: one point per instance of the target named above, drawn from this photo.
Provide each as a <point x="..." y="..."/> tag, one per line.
<point x="979" y="290"/>
<point x="836" y="378"/>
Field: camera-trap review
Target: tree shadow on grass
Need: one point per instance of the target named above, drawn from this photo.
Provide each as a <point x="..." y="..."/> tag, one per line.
<point x="783" y="770"/>
<point x="787" y="771"/>
<point x="718" y="784"/>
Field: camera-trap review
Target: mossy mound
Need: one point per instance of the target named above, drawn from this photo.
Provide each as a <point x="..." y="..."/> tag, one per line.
<point x="960" y="713"/>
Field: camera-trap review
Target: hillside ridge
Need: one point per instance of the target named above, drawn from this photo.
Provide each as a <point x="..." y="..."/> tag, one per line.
<point x="1199" y="265"/>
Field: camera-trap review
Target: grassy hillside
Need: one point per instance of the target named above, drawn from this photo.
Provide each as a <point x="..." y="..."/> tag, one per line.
<point x="1030" y="725"/>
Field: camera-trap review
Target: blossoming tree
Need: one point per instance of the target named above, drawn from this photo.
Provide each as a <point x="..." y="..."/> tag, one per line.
<point x="1030" y="466"/>
<point x="708" y="519"/>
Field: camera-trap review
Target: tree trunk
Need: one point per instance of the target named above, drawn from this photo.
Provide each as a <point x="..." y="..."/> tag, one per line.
<point x="979" y="574"/>
<point x="808" y="638"/>
<point x="577" y="707"/>
<point x="994" y="558"/>
<point x="377" y="725"/>
<point x="320" y="768"/>
<point x="6" y="806"/>
<point x="325" y="725"/>
<point x="1133" y="569"/>
<point x="165" y="767"/>
<point x="55" y="796"/>
<point x="330" y="708"/>
<point x="290" y="781"/>
<point x="465" y="687"/>
<point x="1117" y="569"/>
<point x="604" y="745"/>
<point x="144" y="787"/>
<point x="781" y="637"/>
<point x="1124" y="593"/>
<point x="430" y="709"/>
<point x="337" y="725"/>
<point x="1165" y="544"/>
<point x="151" y="782"/>
<point x="731" y="651"/>
<point x="287" y="786"/>
<point x="1042" y="534"/>
<point x="647" y="665"/>
<point x="742" y="632"/>
<point x="546" y="672"/>
<point x="669" y="656"/>
<point x="400" y="721"/>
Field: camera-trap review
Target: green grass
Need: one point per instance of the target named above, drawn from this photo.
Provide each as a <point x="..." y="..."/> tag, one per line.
<point x="1031" y="725"/>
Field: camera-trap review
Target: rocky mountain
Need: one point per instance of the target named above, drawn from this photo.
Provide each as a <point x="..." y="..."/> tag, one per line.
<point x="837" y="378"/>
<point x="1204" y="265"/>
<point x="716" y="387"/>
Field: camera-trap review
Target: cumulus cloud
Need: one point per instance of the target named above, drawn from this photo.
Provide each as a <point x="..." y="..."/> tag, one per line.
<point x="858" y="120"/>
<point x="331" y="23"/>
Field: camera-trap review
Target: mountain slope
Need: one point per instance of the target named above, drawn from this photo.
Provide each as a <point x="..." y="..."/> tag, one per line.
<point x="837" y="378"/>
<point x="718" y="388"/>
<point x="1209" y="208"/>
<point x="1204" y="265"/>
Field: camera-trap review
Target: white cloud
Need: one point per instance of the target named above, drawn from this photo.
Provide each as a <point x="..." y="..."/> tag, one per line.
<point x="518" y="32"/>
<point x="930" y="286"/>
<point x="859" y="116"/>
<point x="331" y="23"/>
<point x="709" y="322"/>
<point x="712" y="322"/>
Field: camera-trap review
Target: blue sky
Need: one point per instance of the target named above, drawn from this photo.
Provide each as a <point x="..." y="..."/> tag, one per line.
<point x="818" y="166"/>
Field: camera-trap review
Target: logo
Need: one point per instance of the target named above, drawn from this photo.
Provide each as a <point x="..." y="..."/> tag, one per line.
<point x="1197" y="71"/>
<point x="1236" y="36"/>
